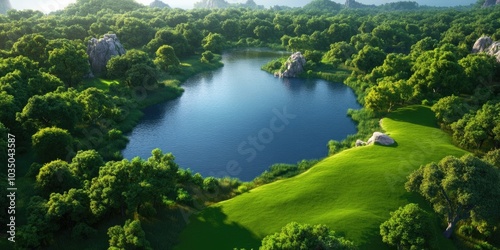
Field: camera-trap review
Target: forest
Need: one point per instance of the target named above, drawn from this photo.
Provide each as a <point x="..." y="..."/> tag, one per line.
<point x="63" y="123"/>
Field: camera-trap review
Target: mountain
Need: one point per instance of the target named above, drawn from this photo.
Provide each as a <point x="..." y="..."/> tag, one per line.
<point x="489" y="3"/>
<point x="158" y="4"/>
<point x="211" y="4"/>
<point x="4" y="6"/>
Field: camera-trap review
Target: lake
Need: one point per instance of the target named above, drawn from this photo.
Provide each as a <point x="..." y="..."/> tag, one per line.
<point x="238" y="120"/>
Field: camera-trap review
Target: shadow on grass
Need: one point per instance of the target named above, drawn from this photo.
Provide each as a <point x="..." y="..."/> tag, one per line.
<point x="394" y="145"/>
<point x="420" y="115"/>
<point x="211" y="230"/>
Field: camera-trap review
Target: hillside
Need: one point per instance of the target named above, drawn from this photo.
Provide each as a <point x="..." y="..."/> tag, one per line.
<point x="351" y="192"/>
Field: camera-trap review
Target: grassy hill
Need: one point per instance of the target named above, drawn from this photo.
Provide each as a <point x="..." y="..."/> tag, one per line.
<point x="351" y="192"/>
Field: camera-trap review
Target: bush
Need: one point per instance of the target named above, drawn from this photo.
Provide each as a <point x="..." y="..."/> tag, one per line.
<point x="210" y="184"/>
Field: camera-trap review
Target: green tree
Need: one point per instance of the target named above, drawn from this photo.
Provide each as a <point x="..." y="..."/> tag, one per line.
<point x="305" y="236"/>
<point x="70" y="63"/>
<point x="339" y="52"/>
<point x="476" y="128"/>
<point x="166" y="59"/>
<point x="214" y="42"/>
<point x="493" y="158"/>
<point x="86" y="164"/>
<point x="58" y="109"/>
<point x="31" y="46"/>
<point x="409" y="227"/>
<point x="52" y="143"/>
<point x="368" y="58"/>
<point x="478" y="69"/>
<point x="56" y="177"/>
<point x="174" y="38"/>
<point x="130" y="236"/>
<point x="450" y="109"/>
<point x="207" y="56"/>
<point x="387" y="95"/>
<point x="134" y="32"/>
<point x="459" y="189"/>
<point x="118" y="66"/>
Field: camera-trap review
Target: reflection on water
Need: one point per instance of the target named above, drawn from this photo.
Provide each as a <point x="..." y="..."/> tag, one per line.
<point x="238" y="120"/>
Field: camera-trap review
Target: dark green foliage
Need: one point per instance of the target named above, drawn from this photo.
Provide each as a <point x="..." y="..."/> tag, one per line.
<point x="459" y="189"/>
<point x="52" y="143"/>
<point x="210" y="184"/>
<point x="56" y="177"/>
<point x="368" y="58"/>
<point x="305" y="237"/>
<point x="322" y="6"/>
<point x="409" y="227"/>
<point x="213" y="42"/>
<point x="117" y="67"/>
<point x="282" y="171"/>
<point x="493" y="158"/>
<point x="58" y="109"/>
<point x="69" y="63"/>
<point x="475" y="129"/>
<point x="450" y="109"/>
<point x="174" y="38"/>
<point x="166" y="59"/>
<point x="130" y="236"/>
<point x="207" y="56"/>
<point x="86" y="164"/>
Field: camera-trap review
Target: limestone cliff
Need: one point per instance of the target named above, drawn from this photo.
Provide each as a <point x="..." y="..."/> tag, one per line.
<point x="4" y="6"/>
<point x="486" y="45"/>
<point x="101" y="50"/>
<point x="489" y="3"/>
<point x="294" y="66"/>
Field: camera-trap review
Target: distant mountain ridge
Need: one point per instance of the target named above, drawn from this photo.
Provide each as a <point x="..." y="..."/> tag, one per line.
<point x="4" y="6"/>
<point x="489" y="3"/>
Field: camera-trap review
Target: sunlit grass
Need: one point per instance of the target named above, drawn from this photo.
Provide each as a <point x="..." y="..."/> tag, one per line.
<point x="351" y="192"/>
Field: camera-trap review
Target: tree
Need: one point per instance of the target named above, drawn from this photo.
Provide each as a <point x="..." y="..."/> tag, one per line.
<point x="409" y="227"/>
<point x="130" y="236"/>
<point x="450" y="109"/>
<point x="459" y="189"/>
<point x="174" y="38"/>
<point x="493" y="158"/>
<point x="474" y="129"/>
<point x="339" y="52"/>
<point x="387" y="95"/>
<point x="70" y="63"/>
<point x="118" y="66"/>
<point x="214" y="42"/>
<point x="58" y="109"/>
<point x="305" y="236"/>
<point x="207" y="56"/>
<point x="31" y="46"/>
<point x="134" y="32"/>
<point x="166" y="59"/>
<point x="56" y="177"/>
<point x="86" y="164"/>
<point x="52" y="143"/>
<point x="368" y="58"/>
<point x="478" y="69"/>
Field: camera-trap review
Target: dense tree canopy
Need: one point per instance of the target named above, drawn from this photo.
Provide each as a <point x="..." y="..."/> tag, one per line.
<point x="459" y="189"/>
<point x="304" y="236"/>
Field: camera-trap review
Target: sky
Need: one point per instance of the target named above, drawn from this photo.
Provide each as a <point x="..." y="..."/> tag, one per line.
<point x="52" y="5"/>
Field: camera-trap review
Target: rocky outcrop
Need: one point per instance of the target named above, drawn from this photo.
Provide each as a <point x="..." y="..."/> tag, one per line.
<point x="211" y="4"/>
<point x="294" y="65"/>
<point x="100" y="51"/>
<point x="159" y="4"/>
<point x="486" y="45"/>
<point x="489" y="3"/>
<point x="4" y="6"/>
<point x="380" y="138"/>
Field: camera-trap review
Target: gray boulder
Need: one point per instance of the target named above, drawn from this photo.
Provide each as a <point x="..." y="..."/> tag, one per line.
<point x="294" y="65"/>
<point x="100" y="51"/>
<point x="381" y="139"/>
<point x="486" y="45"/>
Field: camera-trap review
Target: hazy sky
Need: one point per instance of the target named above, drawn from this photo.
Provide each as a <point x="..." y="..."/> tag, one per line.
<point x="51" y="5"/>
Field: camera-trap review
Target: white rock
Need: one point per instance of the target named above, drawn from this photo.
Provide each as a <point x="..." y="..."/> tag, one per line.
<point x="380" y="138"/>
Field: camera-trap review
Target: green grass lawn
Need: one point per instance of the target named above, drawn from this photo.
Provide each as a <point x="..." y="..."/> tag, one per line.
<point x="351" y="192"/>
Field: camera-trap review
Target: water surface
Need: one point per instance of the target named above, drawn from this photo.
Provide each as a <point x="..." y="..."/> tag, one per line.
<point x="238" y="120"/>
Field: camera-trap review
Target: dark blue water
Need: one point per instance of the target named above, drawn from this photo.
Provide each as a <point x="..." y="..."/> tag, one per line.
<point x="239" y="120"/>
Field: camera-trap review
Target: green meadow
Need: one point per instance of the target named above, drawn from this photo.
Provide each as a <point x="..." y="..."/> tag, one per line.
<point x="352" y="192"/>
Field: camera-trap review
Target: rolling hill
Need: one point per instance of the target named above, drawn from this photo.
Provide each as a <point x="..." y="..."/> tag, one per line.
<point x="351" y="192"/>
